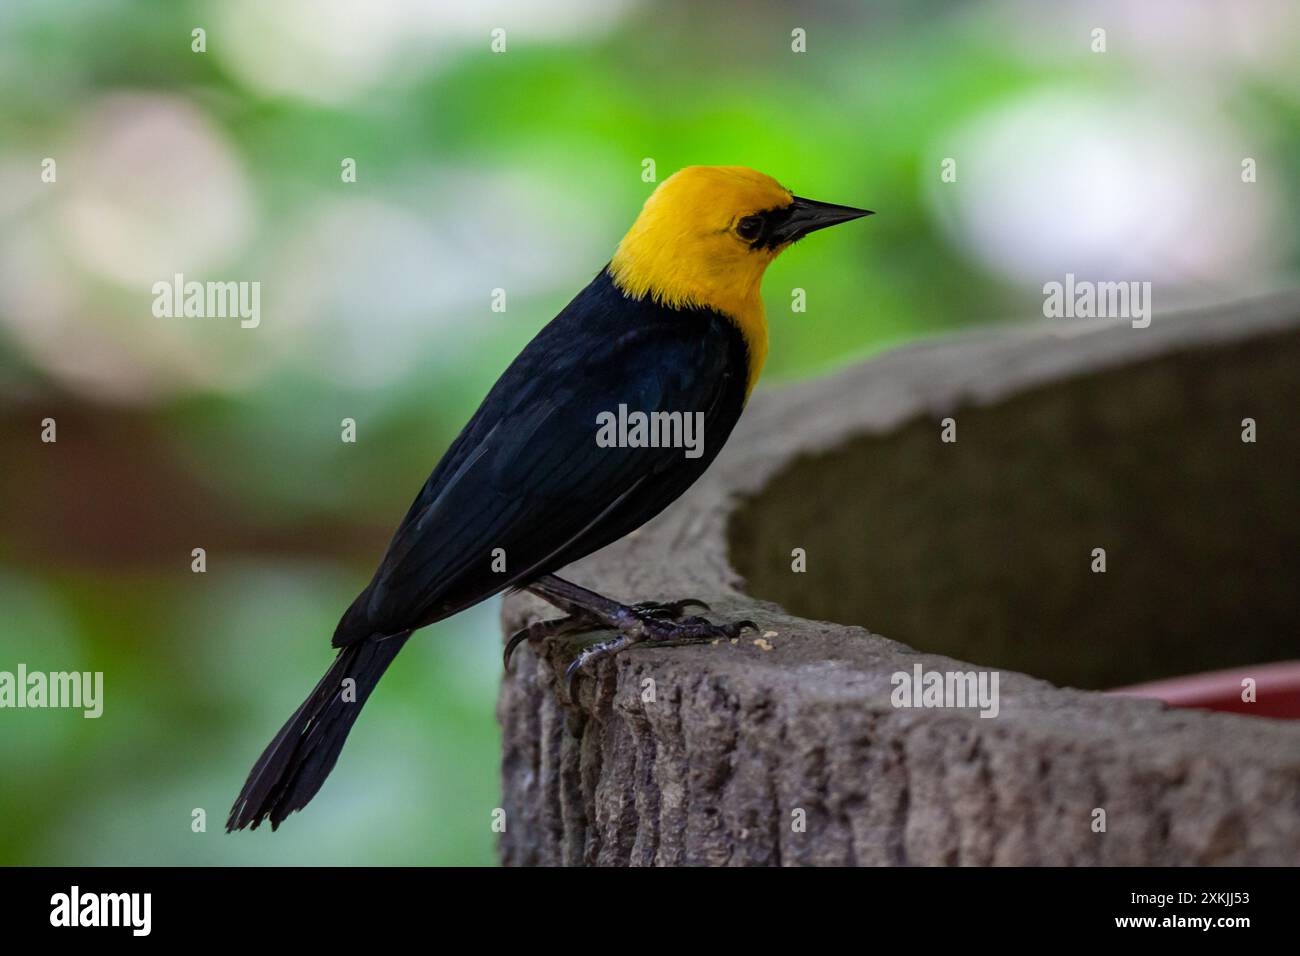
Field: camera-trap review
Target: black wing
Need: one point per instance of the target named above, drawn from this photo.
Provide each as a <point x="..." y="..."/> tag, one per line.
<point x="526" y="474"/>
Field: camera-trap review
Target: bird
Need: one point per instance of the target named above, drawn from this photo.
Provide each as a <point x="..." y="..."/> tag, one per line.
<point x="673" y="325"/>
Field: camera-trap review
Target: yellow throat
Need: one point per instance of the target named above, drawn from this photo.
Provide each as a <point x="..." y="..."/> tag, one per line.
<point x="684" y="250"/>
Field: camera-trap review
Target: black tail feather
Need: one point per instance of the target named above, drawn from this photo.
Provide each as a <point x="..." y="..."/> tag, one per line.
<point x="296" y="763"/>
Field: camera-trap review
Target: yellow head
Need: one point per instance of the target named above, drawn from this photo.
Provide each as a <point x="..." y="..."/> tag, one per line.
<point x="706" y="236"/>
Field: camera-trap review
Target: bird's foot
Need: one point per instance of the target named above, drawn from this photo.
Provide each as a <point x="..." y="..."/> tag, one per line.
<point x="661" y="624"/>
<point x="669" y="610"/>
<point x="580" y="621"/>
<point x="576" y="623"/>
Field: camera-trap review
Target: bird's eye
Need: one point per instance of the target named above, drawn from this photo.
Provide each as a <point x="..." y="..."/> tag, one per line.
<point x="749" y="228"/>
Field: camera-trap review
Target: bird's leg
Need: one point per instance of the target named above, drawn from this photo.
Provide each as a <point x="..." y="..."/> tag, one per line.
<point x="579" y="620"/>
<point x="648" y="621"/>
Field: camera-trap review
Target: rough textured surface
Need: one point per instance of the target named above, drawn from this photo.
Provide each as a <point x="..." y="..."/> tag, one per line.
<point x="738" y="744"/>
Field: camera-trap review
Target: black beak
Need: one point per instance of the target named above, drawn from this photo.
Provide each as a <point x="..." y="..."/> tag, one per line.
<point x="808" y="215"/>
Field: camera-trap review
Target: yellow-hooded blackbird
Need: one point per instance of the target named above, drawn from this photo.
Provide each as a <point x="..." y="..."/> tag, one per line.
<point x="615" y="408"/>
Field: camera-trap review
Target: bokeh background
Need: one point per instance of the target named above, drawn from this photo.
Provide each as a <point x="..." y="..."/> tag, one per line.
<point x="475" y="171"/>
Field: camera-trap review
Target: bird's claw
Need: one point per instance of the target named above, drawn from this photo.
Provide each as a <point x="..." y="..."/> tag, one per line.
<point x="689" y="630"/>
<point x="540" y="631"/>
<point x="660" y="622"/>
<point x="580" y="621"/>
<point x="595" y="652"/>
<point x="669" y="610"/>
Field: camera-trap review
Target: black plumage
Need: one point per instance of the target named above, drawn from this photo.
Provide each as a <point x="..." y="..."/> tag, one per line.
<point x="528" y="480"/>
<point x="525" y="475"/>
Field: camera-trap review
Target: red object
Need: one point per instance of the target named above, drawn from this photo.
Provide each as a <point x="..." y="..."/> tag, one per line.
<point x="1277" y="690"/>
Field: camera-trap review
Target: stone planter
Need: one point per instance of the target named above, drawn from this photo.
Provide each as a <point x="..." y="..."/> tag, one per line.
<point x="1069" y="438"/>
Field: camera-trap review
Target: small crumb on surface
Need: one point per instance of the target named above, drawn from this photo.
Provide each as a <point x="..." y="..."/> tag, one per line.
<point x="769" y="633"/>
<point x="761" y="643"/>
